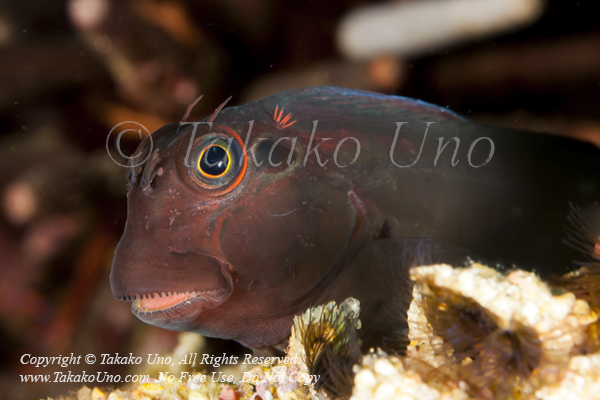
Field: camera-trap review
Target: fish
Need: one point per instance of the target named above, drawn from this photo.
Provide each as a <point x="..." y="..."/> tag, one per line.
<point x="242" y="220"/>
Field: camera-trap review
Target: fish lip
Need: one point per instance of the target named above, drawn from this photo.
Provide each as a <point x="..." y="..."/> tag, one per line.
<point x="186" y="309"/>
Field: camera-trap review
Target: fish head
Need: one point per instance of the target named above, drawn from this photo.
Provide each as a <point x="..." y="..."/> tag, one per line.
<point x="230" y="232"/>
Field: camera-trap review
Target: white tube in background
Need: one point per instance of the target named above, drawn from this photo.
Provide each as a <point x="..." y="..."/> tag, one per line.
<point x="419" y="26"/>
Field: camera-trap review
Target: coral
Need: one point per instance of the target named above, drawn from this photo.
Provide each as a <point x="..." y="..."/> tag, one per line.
<point x="324" y="337"/>
<point x="389" y="377"/>
<point x="496" y="333"/>
<point x="475" y="333"/>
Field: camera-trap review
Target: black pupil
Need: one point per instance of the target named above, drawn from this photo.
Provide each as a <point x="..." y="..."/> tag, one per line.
<point x="215" y="161"/>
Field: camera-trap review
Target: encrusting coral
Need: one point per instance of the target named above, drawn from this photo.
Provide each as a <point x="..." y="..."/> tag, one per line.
<point x="475" y="333"/>
<point x="502" y="334"/>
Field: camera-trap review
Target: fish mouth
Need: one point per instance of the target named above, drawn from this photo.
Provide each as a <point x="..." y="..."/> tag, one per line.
<point x="170" y="301"/>
<point x="156" y="302"/>
<point x="174" y="310"/>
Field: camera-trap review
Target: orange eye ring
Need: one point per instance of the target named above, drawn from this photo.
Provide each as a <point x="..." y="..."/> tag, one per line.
<point x="242" y="171"/>
<point x="227" y="143"/>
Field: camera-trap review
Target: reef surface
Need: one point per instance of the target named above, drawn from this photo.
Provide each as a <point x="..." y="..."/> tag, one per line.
<point x="474" y="332"/>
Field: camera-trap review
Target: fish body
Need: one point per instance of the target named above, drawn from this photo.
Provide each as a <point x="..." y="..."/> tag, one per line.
<point x="236" y="252"/>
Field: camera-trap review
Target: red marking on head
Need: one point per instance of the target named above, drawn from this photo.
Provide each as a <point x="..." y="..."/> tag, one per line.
<point x="240" y="176"/>
<point x="279" y="122"/>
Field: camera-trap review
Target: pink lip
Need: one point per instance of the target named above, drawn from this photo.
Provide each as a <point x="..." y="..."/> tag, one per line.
<point x="150" y="304"/>
<point x="156" y="303"/>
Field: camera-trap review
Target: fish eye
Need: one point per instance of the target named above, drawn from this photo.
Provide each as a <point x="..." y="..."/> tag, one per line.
<point x="219" y="163"/>
<point x="214" y="161"/>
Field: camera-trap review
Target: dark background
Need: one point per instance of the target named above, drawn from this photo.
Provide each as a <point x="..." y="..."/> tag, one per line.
<point x="69" y="71"/>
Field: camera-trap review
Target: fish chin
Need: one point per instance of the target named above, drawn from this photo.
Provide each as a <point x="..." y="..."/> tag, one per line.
<point x="175" y="310"/>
